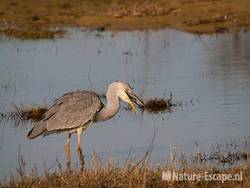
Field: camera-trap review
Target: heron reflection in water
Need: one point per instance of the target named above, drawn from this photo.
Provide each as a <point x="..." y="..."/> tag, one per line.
<point x="76" y="111"/>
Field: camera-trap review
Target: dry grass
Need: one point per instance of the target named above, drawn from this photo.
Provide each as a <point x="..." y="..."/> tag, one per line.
<point x="33" y="33"/>
<point x="158" y="105"/>
<point x="112" y="176"/>
<point x="227" y="153"/>
<point x="24" y="113"/>
<point x="129" y="174"/>
<point x="19" y="18"/>
<point x="132" y="173"/>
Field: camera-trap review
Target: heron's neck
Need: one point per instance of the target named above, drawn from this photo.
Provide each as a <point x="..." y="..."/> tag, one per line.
<point x="111" y="107"/>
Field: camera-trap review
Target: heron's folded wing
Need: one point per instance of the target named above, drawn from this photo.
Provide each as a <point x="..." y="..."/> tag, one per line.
<point x="72" y="110"/>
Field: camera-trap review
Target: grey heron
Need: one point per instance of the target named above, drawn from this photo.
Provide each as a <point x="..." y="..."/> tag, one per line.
<point x="76" y="111"/>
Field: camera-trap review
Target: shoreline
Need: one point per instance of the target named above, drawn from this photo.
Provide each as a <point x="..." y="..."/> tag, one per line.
<point x="218" y="168"/>
<point x="36" y="20"/>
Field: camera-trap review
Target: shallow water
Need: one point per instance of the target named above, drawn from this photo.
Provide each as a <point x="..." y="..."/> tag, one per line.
<point x="209" y="75"/>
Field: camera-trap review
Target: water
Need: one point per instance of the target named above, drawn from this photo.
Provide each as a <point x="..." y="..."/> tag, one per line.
<point x="210" y="75"/>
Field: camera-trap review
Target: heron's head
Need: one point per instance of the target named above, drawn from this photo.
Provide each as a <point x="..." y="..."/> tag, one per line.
<point x="126" y="93"/>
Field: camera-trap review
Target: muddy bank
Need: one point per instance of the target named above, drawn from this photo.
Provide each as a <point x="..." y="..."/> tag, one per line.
<point x="39" y="19"/>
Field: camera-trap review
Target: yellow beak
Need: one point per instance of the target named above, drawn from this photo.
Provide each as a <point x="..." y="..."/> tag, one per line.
<point x="132" y="106"/>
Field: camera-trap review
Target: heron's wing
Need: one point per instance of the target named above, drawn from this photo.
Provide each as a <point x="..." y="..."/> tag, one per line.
<point x="72" y="110"/>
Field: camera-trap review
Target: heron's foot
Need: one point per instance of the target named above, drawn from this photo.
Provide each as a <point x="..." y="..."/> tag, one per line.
<point x="69" y="169"/>
<point x="67" y="149"/>
<point x="81" y="158"/>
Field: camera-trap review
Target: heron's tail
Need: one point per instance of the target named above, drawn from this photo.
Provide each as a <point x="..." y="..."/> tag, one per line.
<point x="37" y="130"/>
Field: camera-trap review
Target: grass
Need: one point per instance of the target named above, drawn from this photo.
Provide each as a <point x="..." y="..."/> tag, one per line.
<point x="24" y="112"/>
<point x="33" y="33"/>
<point x="158" y="105"/>
<point x="132" y="173"/>
<point x="112" y="176"/>
<point x="19" y="18"/>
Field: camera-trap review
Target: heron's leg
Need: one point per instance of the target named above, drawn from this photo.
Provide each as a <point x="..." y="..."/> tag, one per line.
<point x="79" y="148"/>
<point x="79" y="132"/>
<point x="67" y="150"/>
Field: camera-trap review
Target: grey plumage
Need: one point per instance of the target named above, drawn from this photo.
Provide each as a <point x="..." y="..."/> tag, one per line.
<point x="71" y="111"/>
<point x="75" y="111"/>
<point x="38" y="129"/>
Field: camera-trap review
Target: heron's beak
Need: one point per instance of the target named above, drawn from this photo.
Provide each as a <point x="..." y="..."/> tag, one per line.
<point x="133" y="106"/>
<point x="136" y="100"/>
